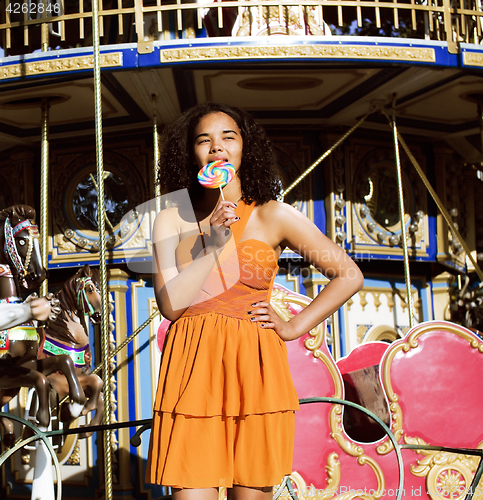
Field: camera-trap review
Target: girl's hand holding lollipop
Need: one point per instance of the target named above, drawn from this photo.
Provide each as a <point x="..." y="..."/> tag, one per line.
<point x="216" y="174"/>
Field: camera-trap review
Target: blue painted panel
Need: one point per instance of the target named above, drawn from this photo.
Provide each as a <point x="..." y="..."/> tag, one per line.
<point x="131" y="58"/>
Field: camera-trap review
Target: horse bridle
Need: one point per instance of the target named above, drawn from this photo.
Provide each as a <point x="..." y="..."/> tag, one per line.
<point x="81" y="295"/>
<point x="11" y="248"/>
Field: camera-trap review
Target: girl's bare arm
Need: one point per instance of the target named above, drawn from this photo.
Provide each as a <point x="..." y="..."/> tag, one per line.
<point x="298" y="233"/>
<point x="176" y="287"/>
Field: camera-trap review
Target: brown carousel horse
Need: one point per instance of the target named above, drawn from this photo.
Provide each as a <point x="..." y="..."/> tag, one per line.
<point x="68" y="335"/>
<point x="20" y="267"/>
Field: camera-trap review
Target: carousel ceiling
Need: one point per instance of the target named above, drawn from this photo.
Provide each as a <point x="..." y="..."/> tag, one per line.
<point x="434" y="102"/>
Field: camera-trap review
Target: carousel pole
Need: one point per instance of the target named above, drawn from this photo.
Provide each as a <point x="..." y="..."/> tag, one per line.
<point x="402" y="213"/>
<point x="43" y="480"/>
<point x="480" y="119"/>
<point x="101" y="219"/>
<point x="44" y="166"/>
<point x="157" y="187"/>
<point x="44" y="190"/>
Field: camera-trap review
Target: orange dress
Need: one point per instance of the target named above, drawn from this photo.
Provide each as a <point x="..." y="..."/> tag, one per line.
<point x="224" y="408"/>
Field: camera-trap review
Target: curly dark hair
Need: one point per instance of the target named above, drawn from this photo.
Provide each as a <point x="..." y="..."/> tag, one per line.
<point x="177" y="167"/>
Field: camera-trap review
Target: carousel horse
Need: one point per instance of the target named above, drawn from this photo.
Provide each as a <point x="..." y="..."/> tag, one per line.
<point x="68" y="335"/>
<point x="20" y="267"/>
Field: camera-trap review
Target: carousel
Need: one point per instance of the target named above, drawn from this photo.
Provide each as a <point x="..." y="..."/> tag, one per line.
<point x="375" y="110"/>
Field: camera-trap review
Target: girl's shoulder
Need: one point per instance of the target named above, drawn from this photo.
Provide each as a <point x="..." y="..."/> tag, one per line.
<point x="277" y="211"/>
<point x="168" y="221"/>
<point x="278" y="219"/>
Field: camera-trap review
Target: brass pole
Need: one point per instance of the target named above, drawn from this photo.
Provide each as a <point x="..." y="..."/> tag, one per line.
<point x="402" y="213"/>
<point x="44" y="191"/>
<point x="101" y="219"/>
<point x="157" y="186"/>
<point x="44" y="28"/>
<point x="480" y="119"/>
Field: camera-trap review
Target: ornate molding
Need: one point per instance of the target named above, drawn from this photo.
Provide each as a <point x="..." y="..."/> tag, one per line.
<point x="473" y="58"/>
<point x="414" y="54"/>
<point x="110" y="60"/>
<point x="280" y="299"/>
<point x="448" y="475"/>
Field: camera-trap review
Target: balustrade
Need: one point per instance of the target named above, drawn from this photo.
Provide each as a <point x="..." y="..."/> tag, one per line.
<point x="29" y="25"/>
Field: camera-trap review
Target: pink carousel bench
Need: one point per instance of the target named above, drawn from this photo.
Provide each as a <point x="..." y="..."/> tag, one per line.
<point x="429" y="384"/>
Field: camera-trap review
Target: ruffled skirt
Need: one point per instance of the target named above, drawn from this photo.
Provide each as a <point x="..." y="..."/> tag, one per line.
<point x="224" y="409"/>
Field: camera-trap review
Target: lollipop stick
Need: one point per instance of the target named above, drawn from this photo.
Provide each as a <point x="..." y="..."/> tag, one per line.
<point x="221" y="192"/>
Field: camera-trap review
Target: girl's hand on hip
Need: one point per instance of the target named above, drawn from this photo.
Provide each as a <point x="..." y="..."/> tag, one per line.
<point x="264" y="314"/>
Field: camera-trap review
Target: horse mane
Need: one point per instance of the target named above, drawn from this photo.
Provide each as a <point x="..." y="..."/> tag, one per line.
<point x="68" y="304"/>
<point x="21" y="212"/>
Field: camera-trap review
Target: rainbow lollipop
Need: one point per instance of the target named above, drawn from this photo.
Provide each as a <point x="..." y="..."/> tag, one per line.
<point x="216" y="175"/>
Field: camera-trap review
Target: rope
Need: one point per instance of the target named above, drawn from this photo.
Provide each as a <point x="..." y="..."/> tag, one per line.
<point x="402" y="213"/>
<point x="128" y="339"/>
<point x="323" y="157"/>
<point x="441" y="207"/>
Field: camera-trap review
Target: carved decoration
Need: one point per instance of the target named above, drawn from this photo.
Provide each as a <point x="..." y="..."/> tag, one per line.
<point x="473" y="58"/>
<point x="74" y="197"/>
<point x="448" y="475"/>
<point x="279" y="20"/>
<point x="361" y="331"/>
<point x="361" y="52"/>
<point x="376" y="221"/>
<point x="58" y="65"/>
<point x="279" y="301"/>
<point x="390" y="295"/>
<point x="75" y="457"/>
<point x="454" y="192"/>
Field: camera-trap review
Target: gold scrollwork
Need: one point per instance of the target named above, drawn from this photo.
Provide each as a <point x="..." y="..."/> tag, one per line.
<point x="303" y="491"/>
<point x="75" y="457"/>
<point x="335" y="419"/>
<point x="306" y="51"/>
<point x="473" y="58"/>
<point x="448" y="475"/>
<point x="280" y="300"/>
<point x="57" y="65"/>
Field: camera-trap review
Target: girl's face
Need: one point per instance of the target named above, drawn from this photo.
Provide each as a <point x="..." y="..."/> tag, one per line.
<point x="217" y="137"/>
